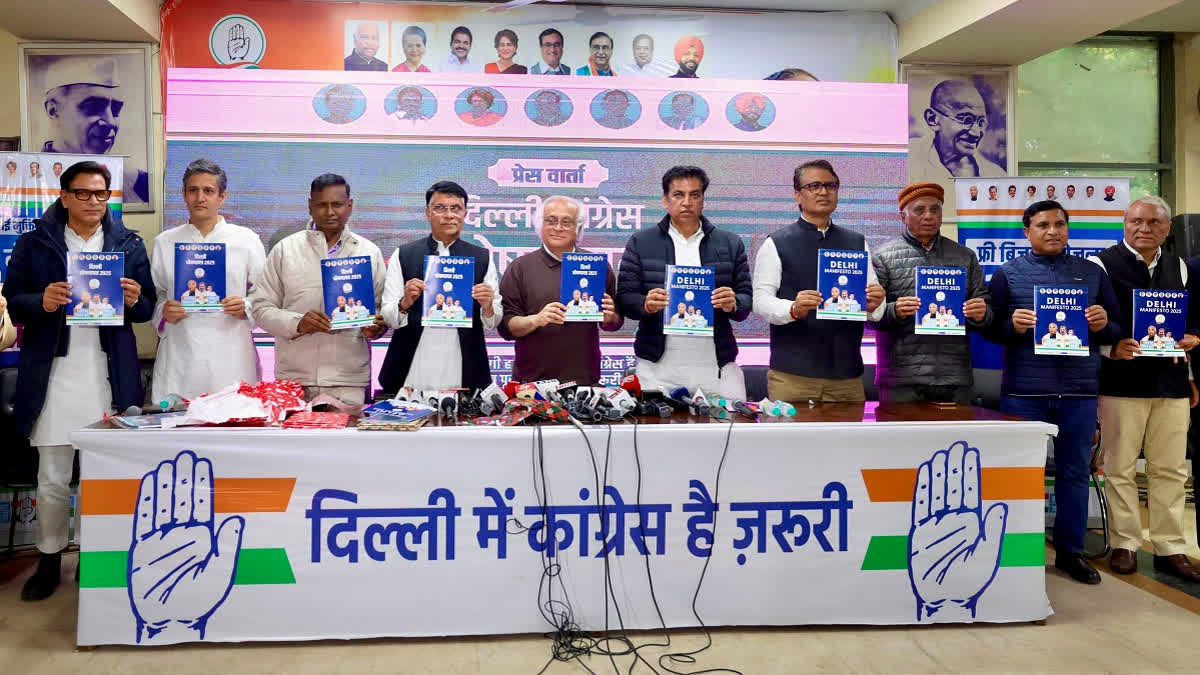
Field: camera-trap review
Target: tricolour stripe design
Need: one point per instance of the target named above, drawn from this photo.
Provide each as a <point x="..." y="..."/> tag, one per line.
<point x="255" y="566"/>
<point x="1019" y="549"/>
<point x="117" y="497"/>
<point x="996" y="483"/>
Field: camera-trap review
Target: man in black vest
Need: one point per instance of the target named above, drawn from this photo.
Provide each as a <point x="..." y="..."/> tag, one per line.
<point x="1144" y="402"/>
<point x="811" y="359"/>
<point x="443" y="358"/>
<point x="685" y="237"/>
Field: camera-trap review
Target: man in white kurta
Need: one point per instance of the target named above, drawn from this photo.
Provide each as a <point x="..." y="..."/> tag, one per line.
<point x="200" y="353"/>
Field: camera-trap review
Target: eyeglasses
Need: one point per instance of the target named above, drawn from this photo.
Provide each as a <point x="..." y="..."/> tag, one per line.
<point x="556" y="224"/>
<point x="85" y="195"/>
<point x="816" y="186"/>
<point x="442" y="209"/>
<point x="552" y="45"/>
<point x="965" y="118"/>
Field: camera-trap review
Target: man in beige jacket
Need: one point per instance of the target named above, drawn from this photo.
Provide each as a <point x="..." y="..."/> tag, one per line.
<point x="288" y="302"/>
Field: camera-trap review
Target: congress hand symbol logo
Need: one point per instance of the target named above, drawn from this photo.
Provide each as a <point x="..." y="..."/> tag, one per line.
<point x="953" y="548"/>
<point x="180" y="569"/>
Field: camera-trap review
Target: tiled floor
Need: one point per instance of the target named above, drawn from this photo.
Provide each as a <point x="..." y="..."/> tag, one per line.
<point x="1113" y="627"/>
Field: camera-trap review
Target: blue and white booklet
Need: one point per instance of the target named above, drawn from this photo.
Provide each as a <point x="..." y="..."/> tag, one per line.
<point x="942" y="292"/>
<point x="448" y="282"/>
<point x="96" y="295"/>
<point x="1159" y="320"/>
<point x="584" y="276"/>
<point x="689" y="301"/>
<point x="842" y="283"/>
<point x="7" y="242"/>
<point x="200" y="277"/>
<point x="1061" y="328"/>
<point x="349" y="292"/>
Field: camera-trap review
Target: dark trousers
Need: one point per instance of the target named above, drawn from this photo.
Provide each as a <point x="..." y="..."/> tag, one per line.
<point x="922" y="392"/>
<point x="1076" y="420"/>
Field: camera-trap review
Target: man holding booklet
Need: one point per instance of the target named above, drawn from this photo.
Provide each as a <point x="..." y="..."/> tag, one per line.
<point x="292" y="300"/>
<point x="930" y="362"/>
<point x="816" y="349"/>
<point x="684" y="238"/>
<point x="557" y="337"/>
<point x="431" y="348"/>
<point x="205" y="343"/>
<point x="1058" y="389"/>
<point x="69" y="376"/>
<point x="1144" y="402"/>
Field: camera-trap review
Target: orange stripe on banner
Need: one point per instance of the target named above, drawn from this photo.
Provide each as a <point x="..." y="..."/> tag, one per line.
<point x="117" y="497"/>
<point x="1006" y="482"/>
<point x="1021" y="212"/>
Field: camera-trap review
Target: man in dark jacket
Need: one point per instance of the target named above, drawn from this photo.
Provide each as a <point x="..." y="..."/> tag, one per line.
<point x="913" y="367"/>
<point x="72" y="375"/>
<point x="1060" y="390"/>
<point x="685" y="237"/>
<point x="1144" y="402"/>
<point x="811" y="359"/>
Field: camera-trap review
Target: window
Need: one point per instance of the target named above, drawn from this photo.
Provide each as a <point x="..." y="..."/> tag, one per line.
<point x="1096" y="109"/>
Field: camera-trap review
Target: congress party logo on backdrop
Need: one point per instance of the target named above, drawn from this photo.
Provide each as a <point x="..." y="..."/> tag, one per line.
<point x="180" y="567"/>
<point x="237" y="40"/>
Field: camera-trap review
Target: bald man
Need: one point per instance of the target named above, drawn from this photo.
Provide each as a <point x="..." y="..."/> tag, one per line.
<point x="366" y="46"/>
<point x="958" y="121"/>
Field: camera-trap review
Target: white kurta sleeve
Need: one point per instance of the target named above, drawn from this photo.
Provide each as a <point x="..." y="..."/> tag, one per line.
<point x="491" y="278"/>
<point x="768" y="271"/>
<point x="256" y="260"/>
<point x="393" y="291"/>
<point x="873" y="278"/>
<point x="162" y="265"/>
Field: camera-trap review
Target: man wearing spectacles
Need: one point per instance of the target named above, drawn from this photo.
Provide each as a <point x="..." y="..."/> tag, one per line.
<point x="289" y="300"/>
<point x="811" y="359"/>
<point x="958" y="120"/>
<point x="72" y="375"/>
<point x="547" y="345"/>
<point x="438" y="358"/>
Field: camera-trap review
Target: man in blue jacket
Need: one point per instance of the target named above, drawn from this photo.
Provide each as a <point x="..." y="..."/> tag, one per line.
<point x="68" y="378"/>
<point x="1060" y="390"/>
<point x="685" y="237"/>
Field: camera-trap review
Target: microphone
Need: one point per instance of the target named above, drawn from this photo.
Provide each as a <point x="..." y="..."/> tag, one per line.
<point x="633" y="385"/>
<point x="494" y="399"/>
<point x="742" y="408"/>
<point x="547" y="388"/>
<point x="681" y="394"/>
<point x="529" y="392"/>
<point x="660" y="397"/>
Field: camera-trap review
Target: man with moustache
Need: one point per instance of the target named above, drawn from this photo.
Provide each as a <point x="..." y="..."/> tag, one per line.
<point x="438" y="358"/>
<point x="600" y="46"/>
<point x="751" y="107"/>
<point x="689" y="51"/>
<point x="460" y="50"/>
<point x="366" y="46"/>
<point x="958" y="119"/>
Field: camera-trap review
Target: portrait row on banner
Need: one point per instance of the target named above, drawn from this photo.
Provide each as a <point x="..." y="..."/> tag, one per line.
<point x="29" y="184"/>
<point x="990" y="214"/>
<point x="237" y="117"/>
<point x="279" y="535"/>
<point x="537" y="39"/>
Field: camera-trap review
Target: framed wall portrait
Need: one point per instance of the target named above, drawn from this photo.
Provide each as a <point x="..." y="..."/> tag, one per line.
<point x="960" y="122"/>
<point x="93" y="99"/>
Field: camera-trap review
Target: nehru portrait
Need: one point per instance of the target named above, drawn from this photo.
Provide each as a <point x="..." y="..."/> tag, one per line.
<point x="958" y="121"/>
<point x="83" y="103"/>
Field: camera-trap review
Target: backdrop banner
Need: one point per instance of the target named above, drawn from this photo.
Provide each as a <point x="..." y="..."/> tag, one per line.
<point x="990" y="211"/>
<point x="512" y="142"/>
<point x="232" y="535"/>
<point x="624" y="41"/>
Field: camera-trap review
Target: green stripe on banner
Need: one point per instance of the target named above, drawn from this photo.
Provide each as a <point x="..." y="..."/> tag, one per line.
<point x="1021" y="549"/>
<point x="1016" y="225"/>
<point x="255" y="566"/>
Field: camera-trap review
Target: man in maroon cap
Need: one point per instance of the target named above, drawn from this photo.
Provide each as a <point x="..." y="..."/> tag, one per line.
<point x="913" y="367"/>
